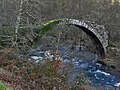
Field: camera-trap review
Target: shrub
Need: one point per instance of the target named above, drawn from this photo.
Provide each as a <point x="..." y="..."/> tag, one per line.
<point x="4" y="87"/>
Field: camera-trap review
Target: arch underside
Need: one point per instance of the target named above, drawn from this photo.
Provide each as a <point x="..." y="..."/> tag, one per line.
<point x="96" y="32"/>
<point x="99" y="46"/>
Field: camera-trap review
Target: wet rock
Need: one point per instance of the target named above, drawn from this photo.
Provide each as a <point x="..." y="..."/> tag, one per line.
<point x="102" y="63"/>
<point x="112" y="60"/>
<point x="113" y="67"/>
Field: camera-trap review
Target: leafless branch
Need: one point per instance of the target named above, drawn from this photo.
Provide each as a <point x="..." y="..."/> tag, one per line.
<point x="18" y="22"/>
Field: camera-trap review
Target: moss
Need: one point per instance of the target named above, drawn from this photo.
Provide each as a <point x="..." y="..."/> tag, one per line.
<point x="111" y="44"/>
<point x="45" y="27"/>
<point x="4" y="87"/>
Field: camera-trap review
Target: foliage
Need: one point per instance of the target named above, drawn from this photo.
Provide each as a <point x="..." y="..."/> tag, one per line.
<point x="111" y="44"/>
<point x="43" y="75"/>
<point x="3" y="86"/>
<point x="81" y="80"/>
<point x="51" y="68"/>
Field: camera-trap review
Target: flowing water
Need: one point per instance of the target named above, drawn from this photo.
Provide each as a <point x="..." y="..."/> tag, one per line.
<point x="81" y="60"/>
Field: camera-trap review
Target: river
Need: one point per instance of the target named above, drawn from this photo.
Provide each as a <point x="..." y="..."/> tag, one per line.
<point x="81" y="60"/>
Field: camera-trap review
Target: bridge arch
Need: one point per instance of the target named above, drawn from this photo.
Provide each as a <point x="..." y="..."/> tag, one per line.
<point x="96" y="32"/>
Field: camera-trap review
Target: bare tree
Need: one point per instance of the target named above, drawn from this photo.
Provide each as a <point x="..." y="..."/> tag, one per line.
<point x="18" y="22"/>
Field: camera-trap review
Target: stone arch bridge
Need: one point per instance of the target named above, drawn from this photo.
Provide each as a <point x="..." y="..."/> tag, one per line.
<point x="96" y="32"/>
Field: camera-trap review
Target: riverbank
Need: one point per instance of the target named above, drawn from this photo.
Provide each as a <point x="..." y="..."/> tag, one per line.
<point x="112" y="61"/>
<point x="21" y="74"/>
